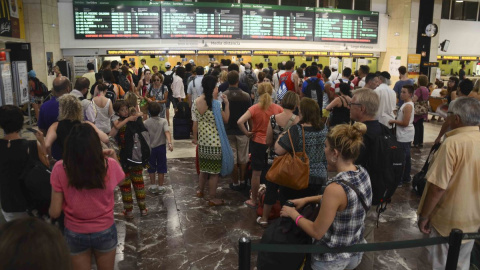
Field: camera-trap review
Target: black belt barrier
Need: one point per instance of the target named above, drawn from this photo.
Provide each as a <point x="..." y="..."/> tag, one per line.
<point x="454" y="241"/>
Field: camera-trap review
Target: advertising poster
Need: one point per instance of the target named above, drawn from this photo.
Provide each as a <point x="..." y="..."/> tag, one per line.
<point x="394" y="65"/>
<point x="7" y="84"/>
<point x="80" y="65"/>
<point x="11" y="19"/>
<point x="23" y="92"/>
<point x="413" y="68"/>
<point x="347" y="62"/>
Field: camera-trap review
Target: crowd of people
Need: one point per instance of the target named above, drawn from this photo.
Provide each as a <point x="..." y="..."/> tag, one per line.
<point x="116" y="123"/>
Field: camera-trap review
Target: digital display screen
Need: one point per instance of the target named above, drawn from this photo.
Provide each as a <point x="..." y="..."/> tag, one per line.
<point x="277" y="22"/>
<point x="112" y="19"/>
<point x="201" y="20"/>
<point x="341" y="25"/>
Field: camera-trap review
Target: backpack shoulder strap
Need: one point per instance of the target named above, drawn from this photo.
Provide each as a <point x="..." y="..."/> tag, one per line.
<point x="354" y="188"/>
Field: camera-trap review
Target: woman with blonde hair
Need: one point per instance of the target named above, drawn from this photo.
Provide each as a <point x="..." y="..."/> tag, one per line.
<point x="344" y="204"/>
<point x="223" y="77"/>
<point x="70" y="114"/>
<point x="259" y="114"/>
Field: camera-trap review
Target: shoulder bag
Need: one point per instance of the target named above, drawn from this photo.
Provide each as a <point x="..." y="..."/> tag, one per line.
<point x="291" y="170"/>
<point x="421" y="106"/>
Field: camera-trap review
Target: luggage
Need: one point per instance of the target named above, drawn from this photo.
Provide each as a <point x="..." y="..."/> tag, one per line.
<point x="419" y="181"/>
<point x="183" y="111"/>
<point x="284" y="231"/>
<point x="181" y="128"/>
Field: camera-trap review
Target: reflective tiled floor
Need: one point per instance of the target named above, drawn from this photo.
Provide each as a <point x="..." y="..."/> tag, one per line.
<point x="182" y="232"/>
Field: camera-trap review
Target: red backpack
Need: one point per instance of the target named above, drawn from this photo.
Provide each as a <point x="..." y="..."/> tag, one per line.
<point x="287" y="78"/>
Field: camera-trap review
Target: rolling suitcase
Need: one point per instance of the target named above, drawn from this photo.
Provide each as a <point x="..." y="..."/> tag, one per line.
<point x="181" y="128"/>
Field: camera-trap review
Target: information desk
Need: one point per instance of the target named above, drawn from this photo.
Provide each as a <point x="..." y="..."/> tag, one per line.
<point x="201" y="20"/>
<point x="277" y="22"/>
<point x="342" y="25"/>
<point x="112" y="19"/>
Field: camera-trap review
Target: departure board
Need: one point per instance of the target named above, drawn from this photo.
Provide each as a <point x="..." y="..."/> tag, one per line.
<point x="341" y="25"/>
<point x="116" y="19"/>
<point x="277" y="22"/>
<point x="201" y="20"/>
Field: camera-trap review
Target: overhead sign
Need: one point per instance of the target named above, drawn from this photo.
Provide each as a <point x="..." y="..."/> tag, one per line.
<point x="211" y="52"/>
<point x="430" y="64"/>
<point x="149" y="52"/>
<point x="239" y="52"/>
<point x="201" y="20"/>
<point x="342" y="25"/>
<point x="291" y="52"/>
<point x="182" y="52"/>
<point x="362" y="54"/>
<point x="316" y="53"/>
<point x="116" y="19"/>
<point x="121" y="52"/>
<point x="344" y="54"/>
<point x="265" y="52"/>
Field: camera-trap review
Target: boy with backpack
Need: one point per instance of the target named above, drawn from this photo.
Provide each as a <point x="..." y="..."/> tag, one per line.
<point x="159" y="134"/>
<point x="132" y="139"/>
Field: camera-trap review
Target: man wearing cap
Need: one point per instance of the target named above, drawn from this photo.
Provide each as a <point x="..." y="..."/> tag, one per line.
<point x="388" y="100"/>
<point x="168" y="80"/>
<point x="335" y="75"/>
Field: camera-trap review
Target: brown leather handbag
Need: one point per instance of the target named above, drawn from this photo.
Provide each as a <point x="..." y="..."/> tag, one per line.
<point x="291" y="170"/>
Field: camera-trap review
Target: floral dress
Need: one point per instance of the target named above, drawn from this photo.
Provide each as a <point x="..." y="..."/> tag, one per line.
<point x="209" y="146"/>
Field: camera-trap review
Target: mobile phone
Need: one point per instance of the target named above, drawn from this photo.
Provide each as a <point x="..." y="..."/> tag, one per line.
<point x="32" y="130"/>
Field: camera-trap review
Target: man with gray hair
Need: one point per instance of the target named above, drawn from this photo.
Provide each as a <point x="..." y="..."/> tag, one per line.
<point x="363" y="108"/>
<point x="49" y="110"/>
<point x="388" y="100"/>
<point x="450" y="199"/>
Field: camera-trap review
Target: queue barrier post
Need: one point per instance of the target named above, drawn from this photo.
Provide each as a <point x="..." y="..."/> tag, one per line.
<point x="454" y="243"/>
<point x="244" y="253"/>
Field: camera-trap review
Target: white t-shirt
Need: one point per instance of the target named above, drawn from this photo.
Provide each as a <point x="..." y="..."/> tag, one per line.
<point x="276" y="76"/>
<point x="405" y="134"/>
<point x="388" y="100"/>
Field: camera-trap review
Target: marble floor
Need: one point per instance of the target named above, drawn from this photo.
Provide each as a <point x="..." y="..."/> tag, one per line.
<point x="182" y="232"/>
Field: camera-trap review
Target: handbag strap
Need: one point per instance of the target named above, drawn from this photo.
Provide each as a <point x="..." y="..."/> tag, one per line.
<point x="290" y="122"/>
<point x="291" y="142"/>
<point x="354" y="188"/>
<point x="433" y="150"/>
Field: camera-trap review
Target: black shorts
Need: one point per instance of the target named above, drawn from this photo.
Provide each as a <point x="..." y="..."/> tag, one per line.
<point x="259" y="153"/>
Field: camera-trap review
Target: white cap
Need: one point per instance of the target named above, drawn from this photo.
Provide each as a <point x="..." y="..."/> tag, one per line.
<point x="283" y="63"/>
<point x="334" y="66"/>
<point x="191" y="61"/>
<point x="167" y="64"/>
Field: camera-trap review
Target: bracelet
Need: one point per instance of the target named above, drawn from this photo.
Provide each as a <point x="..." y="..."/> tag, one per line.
<point x="297" y="219"/>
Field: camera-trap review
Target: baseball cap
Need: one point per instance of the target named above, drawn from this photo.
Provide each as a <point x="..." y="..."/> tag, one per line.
<point x="32" y="74"/>
<point x="191" y="61"/>
<point x="167" y="64"/>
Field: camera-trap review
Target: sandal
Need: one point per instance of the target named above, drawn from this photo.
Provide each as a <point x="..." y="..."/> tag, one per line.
<point x="250" y="204"/>
<point x="128" y="214"/>
<point x="199" y="194"/>
<point x="144" y="212"/>
<point x="212" y="203"/>
<point x="264" y="224"/>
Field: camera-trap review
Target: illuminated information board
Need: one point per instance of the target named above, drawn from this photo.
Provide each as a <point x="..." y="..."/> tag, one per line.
<point x="277" y="22"/>
<point x="341" y="25"/>
<point x="201" y="20"/>
<point x="115" y="19"/>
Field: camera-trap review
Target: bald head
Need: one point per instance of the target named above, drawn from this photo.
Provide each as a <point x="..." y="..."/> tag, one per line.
<point x="61" y="85"/>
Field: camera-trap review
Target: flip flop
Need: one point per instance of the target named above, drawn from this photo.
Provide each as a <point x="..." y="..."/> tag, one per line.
<point x="264" y="224"/>
<point x="144" y="212"/>
<point x="199" y="194"/>
<point x="249" y="204"/>
<point x="212" y="203"/>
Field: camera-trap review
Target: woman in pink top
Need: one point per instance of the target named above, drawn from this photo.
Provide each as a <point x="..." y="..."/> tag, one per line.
<point x="82" y="186"/>
<point x="259" y="116"/>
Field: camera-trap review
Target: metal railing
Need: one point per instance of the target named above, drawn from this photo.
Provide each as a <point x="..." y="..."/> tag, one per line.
<point x="454" y="241"/>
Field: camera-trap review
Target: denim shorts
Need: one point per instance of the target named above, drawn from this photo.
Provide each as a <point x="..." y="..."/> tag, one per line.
<point x="103" y="241"/>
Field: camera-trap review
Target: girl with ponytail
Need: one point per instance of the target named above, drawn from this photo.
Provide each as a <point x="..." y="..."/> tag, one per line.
<point x="206" y="135"/>
<point x="259" y="114"/>
<point x="347" y="198"/>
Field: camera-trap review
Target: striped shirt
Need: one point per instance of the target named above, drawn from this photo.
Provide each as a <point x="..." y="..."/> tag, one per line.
<point x="348" y="226"/>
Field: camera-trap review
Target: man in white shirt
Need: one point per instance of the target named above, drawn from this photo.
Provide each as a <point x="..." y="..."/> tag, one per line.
<point x="82" y="86"/>
<point x="90" y="75"/>
<point x="388" y="100"/>
<point x="276" y="76"/>
<point x="178" y="91"/>
<point x="144" y="63"/>
<point x="195" y="88"/>
<point x="335" y="75"/>
<point x="345" y="79"/>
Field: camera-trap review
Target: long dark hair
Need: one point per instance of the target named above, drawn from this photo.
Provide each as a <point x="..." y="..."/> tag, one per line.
<point x="83" y="158"/>
<point x="209" y="83"/>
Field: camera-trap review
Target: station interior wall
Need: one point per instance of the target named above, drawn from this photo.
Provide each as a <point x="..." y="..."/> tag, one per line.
<point x="452" y="67"/>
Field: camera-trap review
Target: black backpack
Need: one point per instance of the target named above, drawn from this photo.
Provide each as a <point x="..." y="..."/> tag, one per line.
<point x="168" y="80"/>
<point x="183" y="111"/>
<point x="137" y="145"/>
<point x="249" y="80"/>
<point x="124" y="82"/>
<point x="284" y="231"/>
<point x="36" y="182"/>
<point x="314" y="91"/>
<point x="385" y="162"/>
<point x="111" y="93"/>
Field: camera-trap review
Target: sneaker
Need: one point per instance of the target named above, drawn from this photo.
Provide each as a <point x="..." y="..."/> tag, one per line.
<point x="153" y="190"/>
<point x="236" y="188"/>
<point x="161" y="190"/>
